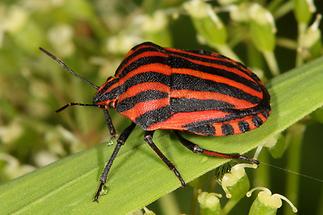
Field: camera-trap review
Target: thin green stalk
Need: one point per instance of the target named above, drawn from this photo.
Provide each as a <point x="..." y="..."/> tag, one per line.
<point x="301" y="32"/>
<point x="283" y="10"/>
<point x="273" y="5"/>
<point x="262" y="175"/>
<point x="229" y="205"/>
<point x="255" y="59"/>
<point x="286" y="43"/>
<point x="227" y="51"/>
<point x="238" y="192"/>
<point x="197" y="186"/>
<point x="168" y="204"/>
<point x="194" y="200"/>
<point x="272" y="63"/>
<point x="295" y="137"/>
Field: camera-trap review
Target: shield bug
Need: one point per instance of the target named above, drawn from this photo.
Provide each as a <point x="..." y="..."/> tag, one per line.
<point x="193" y="91"/>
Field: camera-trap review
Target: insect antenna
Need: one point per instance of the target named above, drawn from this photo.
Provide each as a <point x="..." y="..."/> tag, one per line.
<point x="68" y="69"/>
<point x="75" y="104"/>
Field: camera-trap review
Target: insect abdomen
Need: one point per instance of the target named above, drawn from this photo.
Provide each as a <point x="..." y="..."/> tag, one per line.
<point x="213" y="95"/>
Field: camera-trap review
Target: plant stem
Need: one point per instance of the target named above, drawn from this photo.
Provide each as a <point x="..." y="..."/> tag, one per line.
<point x="273" y="5"/>
<point x="272" y="63"/>
<point x="283" y="9"/>
<point x="227" y="51"/>
<point x="262" y="175"/>
<point x="168" y="204"/>
<point x="301" y="31"/>
<point x="286" y="43"/>
<point x="229" y="205"/>
<point x="194" y="200"/>
<point x="255" y="59"/>
<point x="295" y="138"/>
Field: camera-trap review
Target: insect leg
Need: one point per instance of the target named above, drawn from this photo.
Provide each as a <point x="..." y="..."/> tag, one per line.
<point x="109" y="123"/>
<point x="197" y="149"/>
<point x="121" y="140"/>
<point x="149" y="139"/>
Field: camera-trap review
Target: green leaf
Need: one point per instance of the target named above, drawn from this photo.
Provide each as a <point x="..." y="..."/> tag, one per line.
<point x="138" y="177"/>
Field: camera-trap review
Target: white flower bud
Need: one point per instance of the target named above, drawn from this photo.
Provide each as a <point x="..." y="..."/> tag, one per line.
<point x="121" y="44"/>
<point x="304" y="10"/>
<point x="209" y="201"/>
<point x="210" y="28"/>
<point x="197" y="8"/>
<point x="13" y="19"/>
<point x="11" y="132"/>
<point x="157" y="22"/>
<point x="44" y="158"/>
<point x="266" y="201"/>
<point x="236" y="174"/>
<point x="312" y="34"/>
<point x="148" y="212"/>
<point x="262" y="16"/>
<point x="240" y="13"/>
<point x="61" y="38"/>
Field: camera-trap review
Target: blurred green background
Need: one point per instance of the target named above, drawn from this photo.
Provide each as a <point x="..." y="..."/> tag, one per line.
<point x="93" y="36"/>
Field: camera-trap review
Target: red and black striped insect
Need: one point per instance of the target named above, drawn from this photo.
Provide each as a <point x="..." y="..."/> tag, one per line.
<point x="193" y="91"/>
